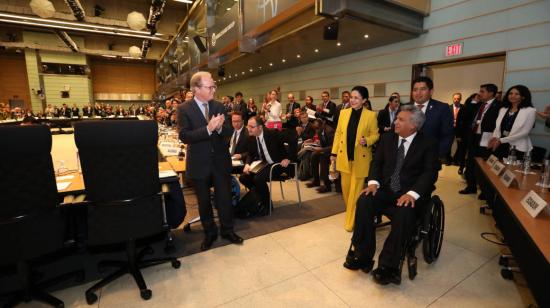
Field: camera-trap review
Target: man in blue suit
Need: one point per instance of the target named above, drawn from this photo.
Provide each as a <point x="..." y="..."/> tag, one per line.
<point x="439" y="118"/>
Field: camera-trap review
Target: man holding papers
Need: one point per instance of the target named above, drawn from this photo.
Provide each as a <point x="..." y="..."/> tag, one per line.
<point x="265" y="148"/>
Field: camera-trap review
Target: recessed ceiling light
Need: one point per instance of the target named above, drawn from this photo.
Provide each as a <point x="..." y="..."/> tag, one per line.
<point x="283" y="60"/>
<point x="338" y="44"/>
<point x="184" y="1"/>
<point x="366" y="36"/>
<point x="235" y="75"/>
<point x="228" y="9"/>
<point x="251" y="70"/>
<point x="224" y="78"/>
<point x="298" y="56"/>
<point x="229" y="76"/>
<point x="242" y="73"/>
<point x="270" y="64"/>
<point x="316" y="50"/>
<point x="259" y="67"/>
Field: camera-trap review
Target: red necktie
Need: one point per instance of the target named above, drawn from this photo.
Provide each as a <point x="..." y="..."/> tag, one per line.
<point x="478" y="117"/>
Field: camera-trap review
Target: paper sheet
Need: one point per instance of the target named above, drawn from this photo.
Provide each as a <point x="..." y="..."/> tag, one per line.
<point x="485" y="137"/>
<point x="62" y="185"/>
<point x="237" y="162"/>
<point x="65" y="177"/>
<point x="167" y="174"/>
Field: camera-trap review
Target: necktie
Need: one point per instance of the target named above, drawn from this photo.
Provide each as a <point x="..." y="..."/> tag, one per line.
<point x="420" y="106"/>
<point x="206" y="116"/>
<point x="478" y="117"/>
<point x="395" y="183"/>
<point x="260" y="148"/>
<point x="234" y="143"/>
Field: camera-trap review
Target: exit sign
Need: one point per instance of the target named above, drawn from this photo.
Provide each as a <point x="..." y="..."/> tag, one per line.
<point x="454" y="49"/>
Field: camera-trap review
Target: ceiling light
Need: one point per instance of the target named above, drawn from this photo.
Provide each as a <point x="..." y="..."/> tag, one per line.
<point x="316" y="50"/>
<point x="229" y="76"/>
<point x="366" y="36"/>
<point x="224" y="77"/>
<point x="235" y="75"/>
<point x="228" y="9"/>
<point x="259" y="67"/>
<point x="338" y="44"/>
<point x="283" y="60"/>
<point x="242" y="73"/>
<point x="298" y="56"/>
<point x="251" y="70"/>
<point x="109" y="56"/>
<point x="270" y="64"/>
<point x="184" y="1"/>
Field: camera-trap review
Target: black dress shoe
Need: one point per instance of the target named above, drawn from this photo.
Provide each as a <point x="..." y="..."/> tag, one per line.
<point x="208" y="241"/>
<point x="482" y="196"/>
<point x="460" y="170"/>
<point x="323" y="189"/>
<point x="233" y="238"/>
<point x="313" y="184"/>
<point x="354" y="263"/>
<point x="385" y="275"/>
<point x="467" y="191"/>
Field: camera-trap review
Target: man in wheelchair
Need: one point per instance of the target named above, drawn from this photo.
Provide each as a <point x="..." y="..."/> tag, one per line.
<point x="401" y="178"/>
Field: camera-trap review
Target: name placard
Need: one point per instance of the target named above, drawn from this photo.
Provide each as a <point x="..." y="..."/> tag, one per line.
<point x="497" y="167"/>
<point x="508" y="178"/>
<point x="533" y="203"/>
<point x="491" y="160"/>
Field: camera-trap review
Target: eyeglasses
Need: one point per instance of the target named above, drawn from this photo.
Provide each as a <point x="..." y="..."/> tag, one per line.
<point x="210" y="88"/>
<point x="250" y="126"/>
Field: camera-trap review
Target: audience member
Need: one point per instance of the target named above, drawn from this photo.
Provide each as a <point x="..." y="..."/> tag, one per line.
<point x="75" y="111"/>
<point x="251" y="109"/>
<point x="320" y="157"/>
<point x="325" y="110"/>
<point x="515" y="121"/>
<point x="462" y="130"/>
<point x="273" y="112"/>
<point x="238" y="144"/>
<point x="239" y="105"/>
<point x="343" y="105"/>
<point x="395" y="189"/>
<point x="266" y="145"/>
<point x="356" y="133"/>
<point x="386" y="116"/>
<point x="455" y="109"/>
<point x="481" y="129"/>
<point x="304" y="129"/>
<point x="290" y="107"/>
<point x="309" y="103"/>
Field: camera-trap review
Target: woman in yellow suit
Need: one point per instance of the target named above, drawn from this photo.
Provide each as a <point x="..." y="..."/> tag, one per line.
<point x="356" y="132"/>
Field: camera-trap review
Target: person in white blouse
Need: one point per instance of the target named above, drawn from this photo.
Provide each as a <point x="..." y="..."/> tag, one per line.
<point x="515" y="121"/>
<point x="273" y="112"/>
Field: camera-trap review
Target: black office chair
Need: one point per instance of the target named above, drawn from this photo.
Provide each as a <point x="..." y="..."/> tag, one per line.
<point x="429" y="230"/>
<point x="31" y="224"/>
<point x="120" y="169"/>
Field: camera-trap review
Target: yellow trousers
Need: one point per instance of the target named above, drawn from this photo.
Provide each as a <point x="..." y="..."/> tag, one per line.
<point x="351" y="188"/>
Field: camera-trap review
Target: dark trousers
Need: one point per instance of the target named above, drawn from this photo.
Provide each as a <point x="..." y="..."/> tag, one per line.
<point x="460" y="154"/>
<point x="474" y="150"/>
<point x="320" y="163"/>
<point x="222" y="199"/>
<point x="258" y="181"/>
<point x="403" y="221"/>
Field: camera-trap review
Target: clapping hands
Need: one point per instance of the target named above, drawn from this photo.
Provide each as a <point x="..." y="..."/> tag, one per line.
<point x="216" y="122"/>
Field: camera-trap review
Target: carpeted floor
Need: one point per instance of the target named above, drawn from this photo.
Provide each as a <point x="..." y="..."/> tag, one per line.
<point x="188" y="243"/>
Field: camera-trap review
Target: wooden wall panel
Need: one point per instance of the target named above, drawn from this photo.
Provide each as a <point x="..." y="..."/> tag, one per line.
<point x="13" y="79"/>
<point x="122" y="77"/>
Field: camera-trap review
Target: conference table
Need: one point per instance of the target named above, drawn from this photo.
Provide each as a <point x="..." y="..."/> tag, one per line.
<point x="528" y="238"/>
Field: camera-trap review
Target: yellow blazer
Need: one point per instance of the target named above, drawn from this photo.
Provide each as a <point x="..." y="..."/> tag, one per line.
<point x="368" y="127"/>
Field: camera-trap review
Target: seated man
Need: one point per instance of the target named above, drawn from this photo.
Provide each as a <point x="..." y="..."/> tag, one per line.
<point x="238" y="144"/>
<point x="304" y="129"/>
<point x="320" y="155"/>
<point x="266" y="145"/>
<point x="401" y="178"/>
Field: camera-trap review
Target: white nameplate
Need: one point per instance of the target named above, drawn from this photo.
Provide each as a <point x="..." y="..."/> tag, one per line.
<point x="75" y="117"/>
<point x="84" y="117"/>
<point x="491" y="160"/>
<point x="497" y="168"/>
<point x="508" y="178"/>
<point x="533" y="203"/>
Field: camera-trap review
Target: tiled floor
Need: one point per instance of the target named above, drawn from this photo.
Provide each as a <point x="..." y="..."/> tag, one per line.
<point x="302" y="267"/>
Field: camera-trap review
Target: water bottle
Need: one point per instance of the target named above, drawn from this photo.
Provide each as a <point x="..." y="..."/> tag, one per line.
<point x="512" y="156"/>
<point x="527" y="163"/>
<point x="333" y="173"/>
<point x="545" y="175"/>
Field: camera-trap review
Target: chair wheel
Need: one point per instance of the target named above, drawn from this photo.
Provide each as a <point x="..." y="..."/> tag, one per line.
<point x="91" y="298"/>
<point x="187" y="228"/>
<point x="169" y="248"/>
<point x="506" y="274"/>
<point x="146" y="294"/>
<point x="503" y="261"/>
<point x="176" y="264"/>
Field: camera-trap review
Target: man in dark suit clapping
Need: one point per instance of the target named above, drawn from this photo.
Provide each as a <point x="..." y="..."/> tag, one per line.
<point x="401" y="178"/>
<point x="202" y="127"/>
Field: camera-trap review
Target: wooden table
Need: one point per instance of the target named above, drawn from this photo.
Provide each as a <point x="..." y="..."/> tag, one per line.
<point x="528" y="238"/>
<point x="77" y="182"/>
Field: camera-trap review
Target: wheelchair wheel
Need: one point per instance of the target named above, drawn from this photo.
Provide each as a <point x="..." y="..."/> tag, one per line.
<point x="431" y="246"/>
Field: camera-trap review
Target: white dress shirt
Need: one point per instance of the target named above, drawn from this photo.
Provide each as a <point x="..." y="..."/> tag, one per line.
<point x="264" y="148"/>
<point x="424" y="105"/>
<point x="236" y="137"/>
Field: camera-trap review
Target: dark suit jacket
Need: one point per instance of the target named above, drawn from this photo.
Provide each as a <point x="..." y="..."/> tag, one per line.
<point x="326" y="115"/>
<point x="489" y="121"/>
<point x="275" y="143"/>
<point x="327" y="139"/>
<point x="439" y="124"/>
<point x="307" y="133"/>
<point x="205" y="153"/>
<point x="87" y="111"/>
<point x="75" y="112"/>
<point x="290" y="109"/>
<point x="242" y="143"/>
<point x="420" y="168"/>
<point x="384" y="119"/>
<point x="337" y="113"/>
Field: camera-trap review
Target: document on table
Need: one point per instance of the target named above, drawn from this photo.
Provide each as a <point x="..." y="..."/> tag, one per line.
<point x="62" y="185"/>
<point x="485" y="138"/>
<point x="65" y="177"/>
<point x="167" y="174"/>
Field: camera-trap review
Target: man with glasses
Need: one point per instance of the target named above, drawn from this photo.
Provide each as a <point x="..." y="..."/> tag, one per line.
<point x="203" y="128"/>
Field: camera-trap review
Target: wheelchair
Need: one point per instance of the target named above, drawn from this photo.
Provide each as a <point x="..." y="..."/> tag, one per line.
<point x="429" y="230"/>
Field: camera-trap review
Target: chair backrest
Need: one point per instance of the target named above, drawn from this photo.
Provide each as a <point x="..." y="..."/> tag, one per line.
<point x="120" y="162"/>
<point x="29" y="220"/>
